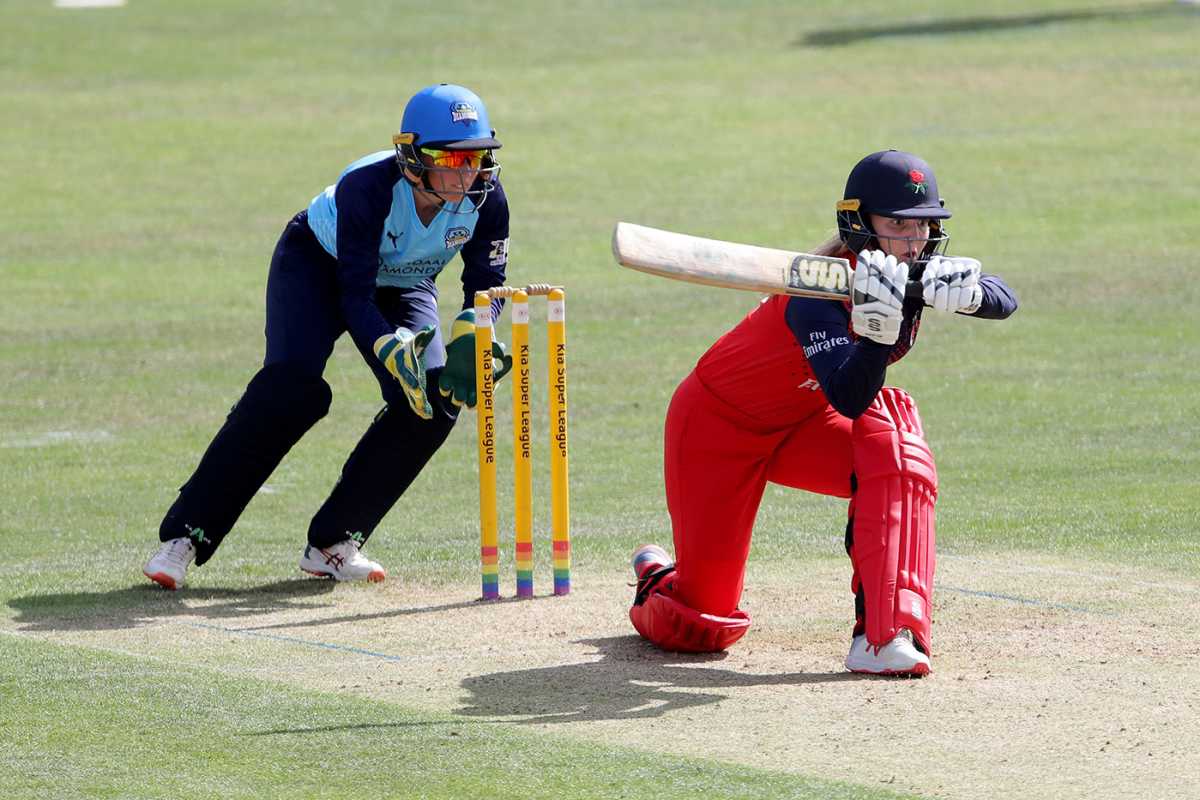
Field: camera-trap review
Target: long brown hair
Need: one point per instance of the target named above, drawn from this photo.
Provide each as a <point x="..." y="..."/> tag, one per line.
<point x="833" y="246"/>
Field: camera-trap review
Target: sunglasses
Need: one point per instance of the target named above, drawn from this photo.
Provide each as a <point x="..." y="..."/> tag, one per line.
<point x="456" y="159"/>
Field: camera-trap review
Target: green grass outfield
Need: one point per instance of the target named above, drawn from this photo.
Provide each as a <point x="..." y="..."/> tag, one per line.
<point x="157" y="731"/>
<point x="151" y="154"/>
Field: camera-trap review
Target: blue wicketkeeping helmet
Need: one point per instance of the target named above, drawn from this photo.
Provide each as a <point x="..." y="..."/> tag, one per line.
<point x="448" y="117"/>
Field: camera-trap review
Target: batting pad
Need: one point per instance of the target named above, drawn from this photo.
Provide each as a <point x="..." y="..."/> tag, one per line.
<point x="892" y="519"/>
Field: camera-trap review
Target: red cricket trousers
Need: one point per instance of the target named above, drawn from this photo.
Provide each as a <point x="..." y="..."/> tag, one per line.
<point x="717" y="464"/>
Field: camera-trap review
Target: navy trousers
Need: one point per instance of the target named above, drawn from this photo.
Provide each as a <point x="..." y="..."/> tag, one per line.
<point x="289" y="395"/>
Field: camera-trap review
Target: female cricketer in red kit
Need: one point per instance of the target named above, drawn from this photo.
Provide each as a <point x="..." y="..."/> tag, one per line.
<point x="794" y="395"/>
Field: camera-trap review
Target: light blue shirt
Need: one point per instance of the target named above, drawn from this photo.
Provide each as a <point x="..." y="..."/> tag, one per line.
<point x="409" y="251"/>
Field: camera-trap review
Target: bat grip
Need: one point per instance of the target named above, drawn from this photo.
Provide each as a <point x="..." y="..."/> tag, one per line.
<point x="914" y="291"/>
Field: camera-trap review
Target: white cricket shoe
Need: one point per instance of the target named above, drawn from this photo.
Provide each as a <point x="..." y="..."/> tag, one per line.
<point x="649" y="557"/>
<point x="342" y="562"/>
<point x="168" y="566"/>
<point x="900" y="656"/>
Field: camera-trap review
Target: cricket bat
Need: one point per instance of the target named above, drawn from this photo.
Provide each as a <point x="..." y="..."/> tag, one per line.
<point x="734" y="266"/>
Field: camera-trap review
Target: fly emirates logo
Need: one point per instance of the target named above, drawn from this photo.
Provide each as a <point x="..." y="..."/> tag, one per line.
<point x="819" y="342"/>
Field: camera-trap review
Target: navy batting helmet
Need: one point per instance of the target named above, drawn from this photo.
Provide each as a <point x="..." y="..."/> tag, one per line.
<point x="891" y="183"/>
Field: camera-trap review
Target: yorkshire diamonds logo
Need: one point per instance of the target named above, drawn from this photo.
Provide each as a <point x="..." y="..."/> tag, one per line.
<point x="464" y="112"/>
<point x="916" y="181"/>
<point x="457" y="237"/>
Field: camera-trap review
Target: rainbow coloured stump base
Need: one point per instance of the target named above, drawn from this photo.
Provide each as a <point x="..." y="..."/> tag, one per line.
<point x="522" y="440"/>
<point x="489" y="544"/>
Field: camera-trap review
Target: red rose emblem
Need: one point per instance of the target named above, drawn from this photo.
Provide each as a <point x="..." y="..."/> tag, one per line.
<point x="916" y="176"/>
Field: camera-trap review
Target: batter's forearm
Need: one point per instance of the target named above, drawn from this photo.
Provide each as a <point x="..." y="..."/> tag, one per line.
<point x="852" y="387"/>
<point x="999" y="300"/>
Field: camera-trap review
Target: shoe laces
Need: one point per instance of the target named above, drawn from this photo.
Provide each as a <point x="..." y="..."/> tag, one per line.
<point x="180" y="551"/>
<point x="350" y="551"/>
<point x="876" y="649"/>
<point x="904" y="634"/>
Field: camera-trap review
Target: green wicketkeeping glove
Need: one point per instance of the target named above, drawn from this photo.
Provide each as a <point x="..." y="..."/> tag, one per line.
<point x="402" y="353"/>
<point x="457" y="381"/>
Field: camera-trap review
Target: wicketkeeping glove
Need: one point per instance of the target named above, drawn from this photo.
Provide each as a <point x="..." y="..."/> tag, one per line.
<point x="402" y="352"/>
<point x="952" y="284"/>
<point x="457" y="381"/>
<point x="878" y="296"/>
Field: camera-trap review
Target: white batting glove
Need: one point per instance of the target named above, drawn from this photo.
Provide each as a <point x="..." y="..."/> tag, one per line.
<point x="878" y="296"/>
<point x="952" y="284"/>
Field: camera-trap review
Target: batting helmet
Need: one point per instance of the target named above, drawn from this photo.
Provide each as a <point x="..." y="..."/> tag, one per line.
<point x="891" y="183"/>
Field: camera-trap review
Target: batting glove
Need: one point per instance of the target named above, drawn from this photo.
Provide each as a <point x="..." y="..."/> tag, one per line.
<point x="952" y="284"/>
<point x="878" y="296"/>
<point x="457" y="381"/>
<point x="401" y="352"/>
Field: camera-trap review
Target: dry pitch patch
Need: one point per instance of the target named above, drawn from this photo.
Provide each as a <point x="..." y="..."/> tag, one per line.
<point x="1051" y="679"/>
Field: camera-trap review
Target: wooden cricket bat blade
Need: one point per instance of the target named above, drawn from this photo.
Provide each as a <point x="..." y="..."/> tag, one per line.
<point x="730" y="265"/>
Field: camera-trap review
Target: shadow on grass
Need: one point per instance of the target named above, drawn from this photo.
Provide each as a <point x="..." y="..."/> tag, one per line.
<point x="837" y="37"/>
<point x="148" y="604"/>
<point x="388" y="614"/>
<point x="632" y="680"/>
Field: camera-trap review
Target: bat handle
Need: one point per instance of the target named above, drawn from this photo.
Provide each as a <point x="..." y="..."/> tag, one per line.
<point x="914" y="291"/>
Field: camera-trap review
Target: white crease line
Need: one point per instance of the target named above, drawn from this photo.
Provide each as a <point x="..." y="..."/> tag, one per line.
<point x="306" y="642"/>
<point x="1028" y="601"/>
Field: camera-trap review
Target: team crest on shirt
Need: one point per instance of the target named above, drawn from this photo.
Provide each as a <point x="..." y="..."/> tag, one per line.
<point x="457" y="237"/>
<point x="462" y="111"/>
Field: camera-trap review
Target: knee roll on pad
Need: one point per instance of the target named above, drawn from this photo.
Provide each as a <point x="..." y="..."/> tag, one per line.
<point x="892" y="519"/>
<point x="673" y="626"/>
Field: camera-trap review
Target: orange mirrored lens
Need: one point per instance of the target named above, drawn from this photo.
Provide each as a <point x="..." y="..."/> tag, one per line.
<point x="456" y="159"/>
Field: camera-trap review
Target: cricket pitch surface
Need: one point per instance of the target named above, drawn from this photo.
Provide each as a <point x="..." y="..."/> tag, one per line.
<point x="1051" y="679"/>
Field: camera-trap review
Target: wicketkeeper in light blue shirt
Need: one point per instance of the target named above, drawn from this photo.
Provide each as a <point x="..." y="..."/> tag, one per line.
<point x="363" y="257"/>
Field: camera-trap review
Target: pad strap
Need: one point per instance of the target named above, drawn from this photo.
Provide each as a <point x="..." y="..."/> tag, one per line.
<point x="648" y="582"/>
<point x="891" y="541"/>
